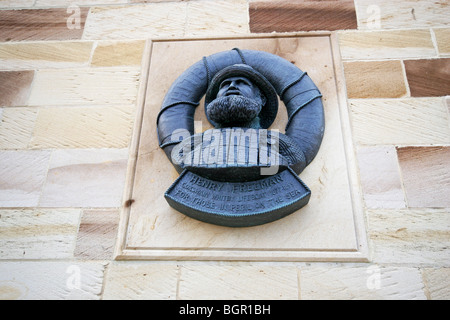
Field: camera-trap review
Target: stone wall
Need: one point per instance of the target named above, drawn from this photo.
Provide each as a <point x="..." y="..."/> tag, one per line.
<point x="70" y="81"/>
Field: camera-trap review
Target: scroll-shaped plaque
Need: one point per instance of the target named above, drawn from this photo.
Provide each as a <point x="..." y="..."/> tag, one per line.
<point x="238" y="204"/>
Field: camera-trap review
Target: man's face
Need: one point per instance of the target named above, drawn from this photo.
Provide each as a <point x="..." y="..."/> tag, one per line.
<point x="238" y="103"/>
<point x="238" y="86"/>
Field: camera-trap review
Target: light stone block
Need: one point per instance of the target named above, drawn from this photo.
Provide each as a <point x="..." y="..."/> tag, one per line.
<point x="375" y="79"/>
<point x="235" y="282"/>
<point x="85" y="87"/>
<point x="38" y="233"/>
<point x="16" y="3"/>
<point x="380" y="177"/>
<point x="419" y="237"/>
<point x="437" y="283"/>
<point x="324" y="229"/>
<point x="443" y="40"/>
<point x="136" y="22"/>
<point x="400" y="121"/>
<point x="216" y="18"/>
<point x="66" y="3"/>
<point x="85" y="178"/>
<point x="141" y="281"/>
<point x="22" y="176"/>
<point x="49" y="54"/>
<point x="360" y="282"/>
<point x="83" y="127"/>
<point x="49" y="280"/>
<point x="447" y="101"/>
<point x="401" y="14"/>
<point x="118" y="53"/>
<point x="377" y="45"/>
<point x="16" y="127"/>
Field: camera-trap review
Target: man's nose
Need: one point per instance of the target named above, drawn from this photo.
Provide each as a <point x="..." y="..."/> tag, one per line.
<point x="233" y="85"/>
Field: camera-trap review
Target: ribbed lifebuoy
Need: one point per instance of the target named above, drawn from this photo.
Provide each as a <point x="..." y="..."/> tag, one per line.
<point x="299" y="94"/>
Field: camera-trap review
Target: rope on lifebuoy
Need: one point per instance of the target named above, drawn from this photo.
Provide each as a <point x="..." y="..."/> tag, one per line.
<point x="241" y="55"/>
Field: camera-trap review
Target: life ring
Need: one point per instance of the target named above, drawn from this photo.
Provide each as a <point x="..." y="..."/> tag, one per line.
<point x="305" y="125"/>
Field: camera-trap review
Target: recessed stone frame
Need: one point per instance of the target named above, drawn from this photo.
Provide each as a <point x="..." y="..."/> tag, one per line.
<point x="330" y="228"/>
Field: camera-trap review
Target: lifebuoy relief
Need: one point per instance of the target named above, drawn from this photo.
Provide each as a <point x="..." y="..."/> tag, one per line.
<point x="302" y="98"/>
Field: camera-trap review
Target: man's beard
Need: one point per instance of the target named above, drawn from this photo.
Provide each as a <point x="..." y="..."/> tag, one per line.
<point x="233" y="110"/>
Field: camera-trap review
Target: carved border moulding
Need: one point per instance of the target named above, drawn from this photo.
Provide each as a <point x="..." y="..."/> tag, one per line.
<point x="316" y="218"/>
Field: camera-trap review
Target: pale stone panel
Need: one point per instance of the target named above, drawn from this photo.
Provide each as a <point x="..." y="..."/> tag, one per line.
<point x="66" y="3"/>
<point x="380" y="177"/>
<point x="83" y="127"/>
<point x="136" y="22"/>
<point x="38" y="233"/>
<point x="443" y="40"/>
<point x="141" y="281"/>
<point x="85" y="178"/>
<point x="410" y="236"/>
<point x="118" y="53"/>
<point x="447" y="101"/>
<point x="373" y="45"/>
<point x="51" y="280"/>
<point x="217" y="18"/>
<point x="16" y="127"/>
<point x="150" y="1"/>
<point x="400" y="121"/>
<point x="401" y="14"/>
<point x="16" y="3"/>
<point x="27" y="55"/>
<point x="437" y="283"/>
<point x="22" y="175"/>
<point x="368" y="282"/>
<point x="91" y="86"/>
<point x="213" y="282"/>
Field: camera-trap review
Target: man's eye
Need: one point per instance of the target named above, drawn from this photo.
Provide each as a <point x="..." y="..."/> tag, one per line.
<point x="224" y="84"/>
<point x="243" y="82"/>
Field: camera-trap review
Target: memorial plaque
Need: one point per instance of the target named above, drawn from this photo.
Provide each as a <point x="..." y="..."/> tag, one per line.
<point x="330" y="227"/>
<point x="242" y="89"/>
